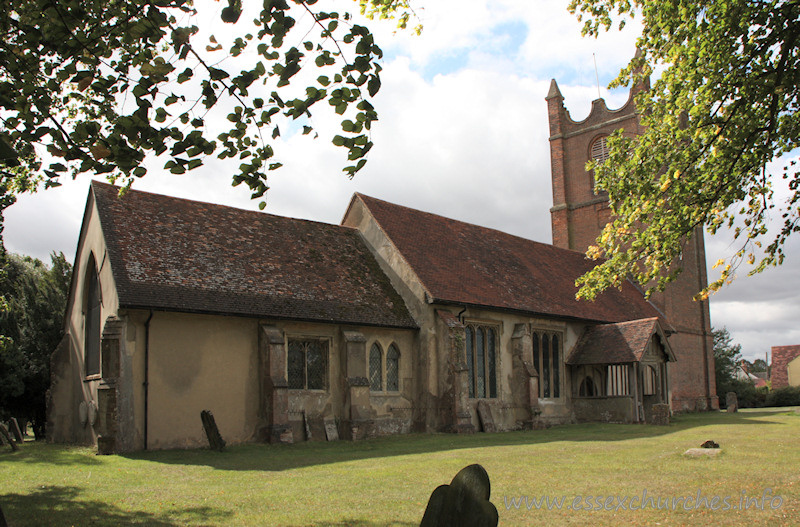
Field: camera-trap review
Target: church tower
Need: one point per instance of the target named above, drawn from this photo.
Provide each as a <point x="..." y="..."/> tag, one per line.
<point x="579" y="215"/>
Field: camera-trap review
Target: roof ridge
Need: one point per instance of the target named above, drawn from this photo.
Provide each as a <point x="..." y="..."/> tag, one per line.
<point x="220" y="205"/>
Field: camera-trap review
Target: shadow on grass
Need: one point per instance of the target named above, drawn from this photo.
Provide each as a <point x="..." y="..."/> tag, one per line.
<point x="361" y="523"/>
<point x="260" y="457"/>
<point x="56" y="505"/>
<point x="58" y="455"/>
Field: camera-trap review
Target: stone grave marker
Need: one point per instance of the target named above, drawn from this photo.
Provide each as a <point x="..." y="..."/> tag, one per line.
<point x="331" y="432"/>
<point x="485" y="416"/>
<point x="13" y="427"/>
<point x="215" y="440"/>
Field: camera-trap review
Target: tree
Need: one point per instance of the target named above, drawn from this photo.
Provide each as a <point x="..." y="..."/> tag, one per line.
<point x="32" y="326"/>
<point x="97" y="86"/>
<point x="727" y="359"/>
<point x="759" y="365"/>
<point x="724" y="107"/>
<point x="727" y="356"/>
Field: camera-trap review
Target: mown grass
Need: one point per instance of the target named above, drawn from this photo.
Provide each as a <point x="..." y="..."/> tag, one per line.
<point x="388" y="481"/>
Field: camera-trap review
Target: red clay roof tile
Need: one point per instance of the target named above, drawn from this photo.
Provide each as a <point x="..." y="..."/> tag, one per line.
<point x="461" y="263"/>
<point x="176" y="254"/>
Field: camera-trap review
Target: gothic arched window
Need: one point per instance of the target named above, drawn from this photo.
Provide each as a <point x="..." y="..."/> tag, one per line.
<point x="375" y="368"/>
<point x="91" y="328"/>
<point x="392" y="369"/>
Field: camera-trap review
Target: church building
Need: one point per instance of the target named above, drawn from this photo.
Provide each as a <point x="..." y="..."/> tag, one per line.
<point x="395" y="321"/>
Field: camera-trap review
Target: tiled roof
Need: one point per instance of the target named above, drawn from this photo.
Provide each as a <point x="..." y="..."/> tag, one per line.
<point x="461" y="263"/>
<point x="176" y="254"/>
<point x="781" y="357"/>
<point x="618" y="343"/>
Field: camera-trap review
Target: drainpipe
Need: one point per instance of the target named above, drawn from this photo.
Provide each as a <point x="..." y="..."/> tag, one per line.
<point x="146" y="371"/>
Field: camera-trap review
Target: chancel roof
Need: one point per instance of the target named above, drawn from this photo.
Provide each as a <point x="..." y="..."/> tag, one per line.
<point x="175" y="254"/>
<point x="465" y="264"/>
<point x="619" y="343"/>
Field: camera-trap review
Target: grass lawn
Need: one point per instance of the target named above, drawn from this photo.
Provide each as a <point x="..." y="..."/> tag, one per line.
<point x="388" y="481"/>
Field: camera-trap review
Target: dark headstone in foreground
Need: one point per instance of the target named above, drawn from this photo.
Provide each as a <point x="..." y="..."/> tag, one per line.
<point x="215" y="440"/>
<point x="462" y="503"/>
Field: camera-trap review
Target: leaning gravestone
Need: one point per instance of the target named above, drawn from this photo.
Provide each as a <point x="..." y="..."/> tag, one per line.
<point x="7" y="437"/>
<point x="485" y="416"/>
<point x="215" y="440"/>
<point x="307" y="425"/>
<point x="732" y="402"/>
<point x="331" y="432"/>
<point x="13" y="427"/>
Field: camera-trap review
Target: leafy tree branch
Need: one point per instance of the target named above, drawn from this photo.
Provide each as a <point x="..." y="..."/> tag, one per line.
<point x="98" y="86"/>
<point x="723" y="110"/>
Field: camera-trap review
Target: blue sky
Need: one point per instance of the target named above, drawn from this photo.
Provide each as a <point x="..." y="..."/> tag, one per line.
<point x="463" y="132"/>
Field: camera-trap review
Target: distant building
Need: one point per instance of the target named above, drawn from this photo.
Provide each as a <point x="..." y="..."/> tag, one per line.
<point x="785" y="369"/>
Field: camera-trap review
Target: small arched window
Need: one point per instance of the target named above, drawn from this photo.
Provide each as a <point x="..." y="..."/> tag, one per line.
<point x="91" y="327"/>
<point x="587" y="388"/>
<point x="392" y="369"/>
<point x="375" y="368"/>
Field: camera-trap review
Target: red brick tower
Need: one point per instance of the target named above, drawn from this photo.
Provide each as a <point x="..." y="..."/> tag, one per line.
<point x="579" y="215"/>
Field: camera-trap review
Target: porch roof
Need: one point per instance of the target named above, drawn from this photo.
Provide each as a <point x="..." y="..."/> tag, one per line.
<point x="619" y="343"/>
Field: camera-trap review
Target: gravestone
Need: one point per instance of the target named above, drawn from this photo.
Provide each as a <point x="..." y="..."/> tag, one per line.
<point x="13" y="427"/>
<point x="330" y="430"/>
<point x="307" y="426"/>
<point x="317" y="426"/>
<point x="215" y="440"/>
<point x="659" y="414"/>
<point x="462" y="503"/>
<point x="485" y="416"/>
<point x="7" y="437"/>
<point x="731" y="402"/>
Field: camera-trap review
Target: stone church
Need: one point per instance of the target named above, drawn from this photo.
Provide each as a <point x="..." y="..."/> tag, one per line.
<point x="395" y="321"/>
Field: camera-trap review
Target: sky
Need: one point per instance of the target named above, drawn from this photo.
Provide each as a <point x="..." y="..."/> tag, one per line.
<point x="462" y="133"/>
